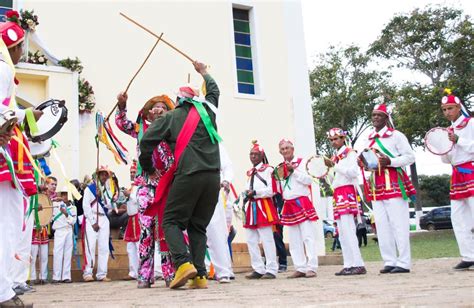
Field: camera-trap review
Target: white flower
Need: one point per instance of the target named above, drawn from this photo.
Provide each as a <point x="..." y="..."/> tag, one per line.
<point x="82" y="107"/>
<point x="41" y="59"/>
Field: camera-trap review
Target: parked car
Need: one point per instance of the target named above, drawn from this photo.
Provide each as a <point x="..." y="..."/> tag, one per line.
<point x="328" y="229"/>
<point x="439" y="218"/>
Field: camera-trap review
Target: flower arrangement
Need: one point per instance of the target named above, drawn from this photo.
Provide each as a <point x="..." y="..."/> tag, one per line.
<point x="26" y="19"/>
<point x="86" y="96"/>
<point x="37" y="58"/>
<point x="72" y="64"/>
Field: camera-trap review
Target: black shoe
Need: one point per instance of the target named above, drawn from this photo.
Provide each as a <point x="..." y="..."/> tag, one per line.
<point x="344" y="272"/>
<point x="55" y="282"/>
<point x="254" y="275"/>
<point x="232" y="277"/>
<point x="463" y="265"/>
<point x="67" y="281"/>
<point x="387" y="269"/>
<point x="399" y="270"/>
<point x="268" y="276"/>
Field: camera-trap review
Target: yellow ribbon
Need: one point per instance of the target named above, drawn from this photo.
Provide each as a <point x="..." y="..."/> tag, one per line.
<point x="71" y="189"/>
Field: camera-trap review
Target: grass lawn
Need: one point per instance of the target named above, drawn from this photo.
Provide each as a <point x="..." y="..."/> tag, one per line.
<point x="424" y="245"/>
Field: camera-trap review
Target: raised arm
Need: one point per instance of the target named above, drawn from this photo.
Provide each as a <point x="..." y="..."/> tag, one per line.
<point x="121" y="120"/>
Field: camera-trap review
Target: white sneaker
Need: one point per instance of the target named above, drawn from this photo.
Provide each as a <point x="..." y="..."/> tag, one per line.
<point x="224" y="280"/>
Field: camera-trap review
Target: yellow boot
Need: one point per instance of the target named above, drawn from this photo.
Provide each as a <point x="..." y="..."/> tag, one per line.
<point x="185" y="271"/>
<point x="199" y="282"/>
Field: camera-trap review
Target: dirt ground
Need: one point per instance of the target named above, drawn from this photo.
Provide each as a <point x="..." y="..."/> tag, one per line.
<point x="431" y="283"/>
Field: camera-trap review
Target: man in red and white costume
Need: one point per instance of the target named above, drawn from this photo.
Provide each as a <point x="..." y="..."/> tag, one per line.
<point x="461" y="192"/>
<point x="389" y="198"/>
<point x="298" y="212"/>
<point x="260" y="216"/>
<point x="13" y="202"/>
<point x="346" y="205"/>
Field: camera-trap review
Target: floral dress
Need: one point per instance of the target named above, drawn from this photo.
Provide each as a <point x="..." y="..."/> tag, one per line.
<point x="162" y="160"/>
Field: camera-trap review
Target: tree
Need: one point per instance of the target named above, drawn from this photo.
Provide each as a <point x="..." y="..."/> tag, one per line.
<point x="344" y="90"/>
<point x="437" y="42"/>
<point x="434" y="190"/>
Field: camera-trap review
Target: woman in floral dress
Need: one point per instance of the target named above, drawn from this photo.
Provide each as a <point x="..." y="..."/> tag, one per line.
<point x="162" y="159"/>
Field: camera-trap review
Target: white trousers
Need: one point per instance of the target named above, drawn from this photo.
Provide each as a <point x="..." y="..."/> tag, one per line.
<point x="462" y="217"/>
<point x="132" y="251"/>
<point x="62" y="255"/>
<point x="21" y="268"/>
<point x="302" y="237"/>
<point x="102" y="238"/>
<point x="349" y="242"/>
<point x="217" y="242"/>
<point x="264" y="235"/>
<point x="41" y="252"/>
<point x="10" y="230"/>
<point x="393" y="231"/>
<point x="157" y="261"/>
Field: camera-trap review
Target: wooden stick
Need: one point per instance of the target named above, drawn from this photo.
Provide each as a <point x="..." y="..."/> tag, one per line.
<point x="133" y="78"/>
<point x="152" y="33"/>
<point x="189" y="78"/>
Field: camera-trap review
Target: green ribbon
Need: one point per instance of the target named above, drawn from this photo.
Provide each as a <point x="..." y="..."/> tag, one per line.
<point x="399" y="170"/>
<point x="30" y="119"/>
<point x="211" y="130"/>
<point x="141" y="131"/>
<point x="61" y="213"/>
<point x="34" y="201"/>
<point x="54" y="144"/>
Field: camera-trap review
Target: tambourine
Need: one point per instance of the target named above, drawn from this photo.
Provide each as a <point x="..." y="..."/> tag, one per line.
<point x="437" y="141"/>
<point x="40" y="149"/>
<point x="53" y="118"/>
<point x="46" y="213"/>
<point x="8" y="119"/>
<point x="316" y="167"/>
<point x="370" y="159"/>
<point x="281" y="172"/>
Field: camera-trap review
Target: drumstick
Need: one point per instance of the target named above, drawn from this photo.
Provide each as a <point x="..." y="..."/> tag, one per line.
<point x="164" y="41"/>
<point x="133" y="78"/>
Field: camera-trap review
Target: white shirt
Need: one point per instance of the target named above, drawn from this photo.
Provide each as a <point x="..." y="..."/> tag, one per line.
<point x="90" y="211"/>
<point x="346" y="170"/>
<point x="7" y="85"/>
<point x="63" y="221"/>
<point x="463" y="150"/>
<point x="262" y="190"/>
<point x="298" y="183"/>
<point x="397" y="144"/>
<point x="132" y="203"/>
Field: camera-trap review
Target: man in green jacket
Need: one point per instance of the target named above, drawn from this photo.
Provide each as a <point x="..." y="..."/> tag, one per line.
<point x="193" y="192"/>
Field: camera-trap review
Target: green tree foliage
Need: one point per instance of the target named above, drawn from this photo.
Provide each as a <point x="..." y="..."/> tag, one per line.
<point x="437" y="42"/>
<point x="344" y="90"/>
<point x="434" y="190"/>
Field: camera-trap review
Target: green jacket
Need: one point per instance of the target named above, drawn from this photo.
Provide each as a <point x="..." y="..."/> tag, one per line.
<point x="200" y="154"/>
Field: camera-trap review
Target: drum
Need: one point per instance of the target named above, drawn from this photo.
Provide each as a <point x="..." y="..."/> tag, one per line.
<point x="437" y="141"/>
<point x="8" y="119"/>
<point x="316" y="166"/>
<point x="40" y="149"/>
<point x="46" y="214"/>
<point x="53" y="118"/>
<point x="370" y="159"/>
<point x="281" y="172"/>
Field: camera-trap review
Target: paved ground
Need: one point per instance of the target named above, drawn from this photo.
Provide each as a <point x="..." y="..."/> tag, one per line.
<point x="431" y="283"/>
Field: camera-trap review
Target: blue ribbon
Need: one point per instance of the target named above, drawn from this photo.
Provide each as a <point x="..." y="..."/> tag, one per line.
<point x="464" y="170"/>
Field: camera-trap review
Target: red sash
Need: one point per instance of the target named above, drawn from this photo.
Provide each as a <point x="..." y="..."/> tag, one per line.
<point x="157" y="208"/>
